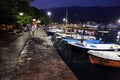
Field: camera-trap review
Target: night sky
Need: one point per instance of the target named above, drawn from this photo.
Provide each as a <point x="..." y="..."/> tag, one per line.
<point x="44" y="4"/>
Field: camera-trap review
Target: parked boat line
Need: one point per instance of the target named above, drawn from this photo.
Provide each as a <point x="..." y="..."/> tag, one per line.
<point x="87" y="43"/>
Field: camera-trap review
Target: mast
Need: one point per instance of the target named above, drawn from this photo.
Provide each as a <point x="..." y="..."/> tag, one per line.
<point x="66" y="17"/>
<point x="82" y="37"/>
<point x="66" y="21"/>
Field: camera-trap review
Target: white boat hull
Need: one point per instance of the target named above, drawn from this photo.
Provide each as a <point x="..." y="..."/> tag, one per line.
<point x="107" y="58"/>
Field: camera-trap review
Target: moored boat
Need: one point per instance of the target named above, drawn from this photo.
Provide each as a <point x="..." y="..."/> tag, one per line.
<point x="92" y="45"/>
<point x="54" y="31"/>
<point x="106" y="58"/>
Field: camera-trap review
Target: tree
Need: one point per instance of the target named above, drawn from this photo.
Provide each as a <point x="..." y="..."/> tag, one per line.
<point x="7" y="11"/>
<point x="24" y="19"/>
<point x="24" y="6"/>
<point x="39" y="14"/>
<point x="9" y="8"/>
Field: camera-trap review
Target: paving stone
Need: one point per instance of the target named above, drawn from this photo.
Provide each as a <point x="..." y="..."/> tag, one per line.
<point x="40" y="61"/>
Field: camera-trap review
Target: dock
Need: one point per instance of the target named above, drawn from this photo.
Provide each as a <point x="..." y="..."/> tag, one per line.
<point x="40" y="61"/>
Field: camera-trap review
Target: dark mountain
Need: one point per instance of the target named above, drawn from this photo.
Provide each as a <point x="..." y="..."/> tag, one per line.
<point x="82" y="14"/>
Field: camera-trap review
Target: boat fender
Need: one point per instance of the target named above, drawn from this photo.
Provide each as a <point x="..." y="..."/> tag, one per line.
<point x="116" y="50"/>
<point x="111" y="47"/>
<point x="84" y="43"/>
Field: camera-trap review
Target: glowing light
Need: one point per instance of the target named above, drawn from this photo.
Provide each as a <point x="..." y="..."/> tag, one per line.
<point x="21" y="13"/>
<point x="49" y="13"/>
<point x="119" y="20"/>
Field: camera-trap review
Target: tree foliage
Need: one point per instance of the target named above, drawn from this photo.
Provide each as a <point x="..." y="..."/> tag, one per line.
<point x="7" y="11"/>
<point x="10" y="9"/>
<point x="24" y="6"/>
<point x="39" y="14"/>
<point x="24" y="19"/>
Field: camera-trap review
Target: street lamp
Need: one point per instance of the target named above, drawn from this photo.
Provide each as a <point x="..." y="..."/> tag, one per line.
<point x="38" y="21"/>
<point x="49" y="14"/>
<point x="21" y="21"/>
<point x="64" y="19"/>
<point x="118" y="20"/>
<point x="34" y="19"/>
<point x="21" y="13"/>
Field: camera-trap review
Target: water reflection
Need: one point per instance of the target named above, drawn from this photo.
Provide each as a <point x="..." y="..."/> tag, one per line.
<point x="79" y="63"/>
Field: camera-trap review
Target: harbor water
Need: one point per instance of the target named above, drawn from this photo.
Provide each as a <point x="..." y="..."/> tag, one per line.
<point x="80" y="65"/>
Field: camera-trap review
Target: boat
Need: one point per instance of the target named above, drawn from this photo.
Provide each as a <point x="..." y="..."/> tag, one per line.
<point x="54" y="31"/>
<point x="106" y="58"/>
<point x="107" y="54"/>
<point x="64" y="35"/>
<point x="87" y="45"/>
<point x="89" y="42"/>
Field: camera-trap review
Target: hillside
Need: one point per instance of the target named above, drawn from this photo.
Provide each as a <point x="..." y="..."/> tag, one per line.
<point x="82" y="14"/>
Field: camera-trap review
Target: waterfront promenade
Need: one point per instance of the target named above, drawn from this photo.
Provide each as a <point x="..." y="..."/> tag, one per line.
<point x="32" y="58"/>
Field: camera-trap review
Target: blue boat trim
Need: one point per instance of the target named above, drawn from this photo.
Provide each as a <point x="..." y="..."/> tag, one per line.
<point x="71" y="40"/>
<point x="79" y="44"/>
<point x="93" y="46"/>
<point x="93" y="41"/>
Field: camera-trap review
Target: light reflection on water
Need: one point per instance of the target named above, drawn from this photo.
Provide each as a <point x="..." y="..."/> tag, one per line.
<point x="80" y="65"/>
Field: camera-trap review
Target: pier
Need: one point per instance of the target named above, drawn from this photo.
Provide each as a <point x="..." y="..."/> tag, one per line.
<point x="37" y="60"/>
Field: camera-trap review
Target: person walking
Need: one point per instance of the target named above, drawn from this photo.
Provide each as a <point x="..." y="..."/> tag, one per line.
<point x="28" y="26"/>
<point x="33" y="30"/>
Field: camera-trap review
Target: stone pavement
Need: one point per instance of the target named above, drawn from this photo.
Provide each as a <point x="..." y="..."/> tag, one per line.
<point x="10" y="47"/>
<point x="37" y="61"/>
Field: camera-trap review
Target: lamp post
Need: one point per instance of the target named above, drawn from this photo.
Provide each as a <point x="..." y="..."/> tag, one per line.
<point x="21" y="13"/>
<point x="21" y="21"/>
<point x="49" y="14"/>
<point x="119" y="21"/>
<point x="66" y="17"/>
<point x="64" y="20"/>
<point x="38" y="21"/>
<point x="34" y="19"/>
